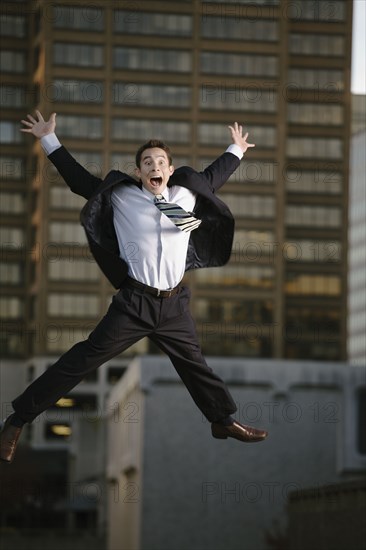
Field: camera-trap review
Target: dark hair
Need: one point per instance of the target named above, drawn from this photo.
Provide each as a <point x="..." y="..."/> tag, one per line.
<point x="153" y="143"/>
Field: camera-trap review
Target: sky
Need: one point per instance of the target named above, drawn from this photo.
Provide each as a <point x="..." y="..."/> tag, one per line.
<point x="358" y="78"/>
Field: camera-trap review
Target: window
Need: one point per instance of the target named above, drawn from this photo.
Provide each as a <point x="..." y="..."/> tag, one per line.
<point x="250" y="206"/>
<point x="315" y="113"/>
<point x="114" y="374"/>
<point x="152" y="59"/>
<point x="237" y="98"/>
<point x="250" y="171"/>
<point x="84" y="19"/>
<point x="61" y="198"/>
<point x="78" y="127"/>
<point x="309" y="284"/>
<point x="235" y="327"/>
<point x="258" y="171"/>
<point x="217" y="134"/>
<point x="233" y="311"/>
<point x="12" y="203"/>
<point x="314" y="147"/>
<point x="78" y="55"/>
<point x="12" y="344"/>
<point x="11" y="307"/>
<point x="78" y="402"/>
<point x="253" y="245"/>
<point x="11" y="237"/>
<point x="73" y="269"/>
<point x="12" y="96"/>
<point x="236" y="28"/>
<point x="137" y="130"/>
<point x="73" y="305"/>
<point x="11" y="273"/>
<point x="12" y="61"/>
<point x="239" y="64"/>
<point x="76" y="91"/>
<point x="57" y="432"/>
<point x="10" y="133"/>
<point x="313" y="216"/>
<point x="317" y="44"/>
<point x="151" y="95"/>
<point x="249" y="2"/>
<point x="302" y="250"/>
<point x="314" y="322"/>
<point x="321" y="10"/>
<point x="12" y="25"/>
<point x="161" y="24"/>
<point x="67" y="233"/>
<point x="322" y="80"/>
<point x="237" y="276"/>
<point x="313" y="181"/>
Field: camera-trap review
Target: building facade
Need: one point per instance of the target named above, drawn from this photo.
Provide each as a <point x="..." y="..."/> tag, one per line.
<point x="171" y="485"/>
<point x="117" y="75"/>
<point x="357" y="236"/>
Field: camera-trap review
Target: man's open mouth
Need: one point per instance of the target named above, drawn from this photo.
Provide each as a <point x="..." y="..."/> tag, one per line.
<point x="156" y="180"/>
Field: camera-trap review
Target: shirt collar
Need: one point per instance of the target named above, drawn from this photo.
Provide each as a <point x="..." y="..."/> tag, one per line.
<point x="151" y="196"/>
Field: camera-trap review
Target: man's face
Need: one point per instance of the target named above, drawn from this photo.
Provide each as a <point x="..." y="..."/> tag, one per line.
<point x="154" y="170"/>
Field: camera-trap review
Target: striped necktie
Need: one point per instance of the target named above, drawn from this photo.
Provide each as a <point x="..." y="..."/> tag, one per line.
<point x="185" y="221"/>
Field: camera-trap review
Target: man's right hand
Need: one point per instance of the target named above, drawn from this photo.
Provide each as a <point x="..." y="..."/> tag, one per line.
<point x="40" y="127"/>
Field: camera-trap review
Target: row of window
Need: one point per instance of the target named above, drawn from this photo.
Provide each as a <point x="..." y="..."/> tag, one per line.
<point x="155" y="59"/>
<point x="65" y="264"/>
<point x="301" y="284"/>
<point x="250" y="206"/>
<point x="313" y="216"/>
<point x="297" y="180"/>
<point x="316" y="10"/>
<point x="327" y="80"/>
<point x="90" y="18"/>
<point x="212" y="96"/>
<point x="252" y="276"/>
<point x="262" y="276"/>
<point x="254" y="245"/>
<point x="71" y="268"/>
<point x="233" y="311"/>
<point x="71" y="234"/>
<point x="71" y="305"/>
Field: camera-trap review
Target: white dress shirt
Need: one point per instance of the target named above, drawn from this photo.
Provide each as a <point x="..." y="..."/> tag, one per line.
<point x="153" y="247"/>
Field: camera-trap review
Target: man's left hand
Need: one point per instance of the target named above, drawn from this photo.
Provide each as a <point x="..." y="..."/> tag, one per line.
<point x="238" y="137"/>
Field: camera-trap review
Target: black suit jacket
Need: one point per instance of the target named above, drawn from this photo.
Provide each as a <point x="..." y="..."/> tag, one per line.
<point x="209" y="245"/>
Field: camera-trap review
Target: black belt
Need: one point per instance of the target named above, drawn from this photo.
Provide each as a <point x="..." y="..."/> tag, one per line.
<point x="150" y="289"/>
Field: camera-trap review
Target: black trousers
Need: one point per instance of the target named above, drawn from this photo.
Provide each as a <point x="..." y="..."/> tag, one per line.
<point x="131" y="316"/>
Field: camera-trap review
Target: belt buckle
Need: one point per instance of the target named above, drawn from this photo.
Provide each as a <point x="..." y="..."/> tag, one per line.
<point x="158" y="293"/>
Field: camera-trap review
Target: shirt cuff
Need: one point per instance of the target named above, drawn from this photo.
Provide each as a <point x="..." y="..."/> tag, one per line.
<point x="235" y="150"/>
<point x="50" y="143"/>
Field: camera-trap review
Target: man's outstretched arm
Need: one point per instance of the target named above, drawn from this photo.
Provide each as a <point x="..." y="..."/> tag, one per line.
<point x="77" y="178"/>
<point x="217" y="173"/>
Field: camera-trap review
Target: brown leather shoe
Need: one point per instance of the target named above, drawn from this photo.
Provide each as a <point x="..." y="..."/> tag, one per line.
<point x="238" y="431"/>
<point x="9" y="437"/>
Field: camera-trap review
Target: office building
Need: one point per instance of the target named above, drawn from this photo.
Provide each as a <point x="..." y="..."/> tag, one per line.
<point x="171" y="485"/>
<point x="117" y="75"/>
<point x="357" y="235"/>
